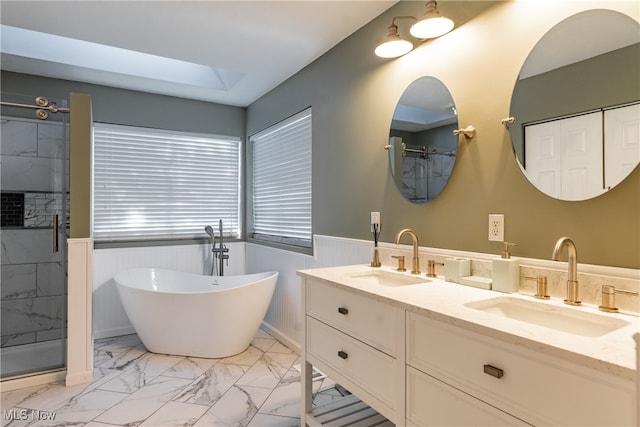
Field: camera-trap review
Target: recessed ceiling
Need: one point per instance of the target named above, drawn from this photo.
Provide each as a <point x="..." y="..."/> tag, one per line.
<point x="230" y="52"/>
<point x="580" y="37"/>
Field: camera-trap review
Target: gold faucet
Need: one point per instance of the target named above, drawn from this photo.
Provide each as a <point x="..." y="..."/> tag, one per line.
<point x="416" y="261"/>
<point x="572" y="272"/>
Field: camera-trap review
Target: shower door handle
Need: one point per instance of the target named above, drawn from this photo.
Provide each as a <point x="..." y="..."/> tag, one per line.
<point x="55" y="233"/>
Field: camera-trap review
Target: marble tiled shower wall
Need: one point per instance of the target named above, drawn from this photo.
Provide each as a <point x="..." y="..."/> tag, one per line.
<point x="33" y="281"/>
<point x="416" y="169"/>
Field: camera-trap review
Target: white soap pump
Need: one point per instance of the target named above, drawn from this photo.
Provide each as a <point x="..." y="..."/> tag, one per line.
<point x="506" y="271"/>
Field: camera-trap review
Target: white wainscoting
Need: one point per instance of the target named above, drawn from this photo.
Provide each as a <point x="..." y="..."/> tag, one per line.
<point x="284" y="318"/>
<point x="79" y="330"/>
<point x="109" y="318"/>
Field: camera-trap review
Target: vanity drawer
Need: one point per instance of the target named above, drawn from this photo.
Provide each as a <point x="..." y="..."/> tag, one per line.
<point x="374" y="322"/>
<point x="431" y="402"/>
<point x="536" y="388"/>
<point x="372" y="370"/>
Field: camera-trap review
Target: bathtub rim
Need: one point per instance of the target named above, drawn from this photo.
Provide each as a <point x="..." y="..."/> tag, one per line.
<point x="252" y="279"/>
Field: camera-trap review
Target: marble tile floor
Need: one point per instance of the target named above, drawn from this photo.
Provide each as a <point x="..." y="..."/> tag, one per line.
<point x="132" y="387"/>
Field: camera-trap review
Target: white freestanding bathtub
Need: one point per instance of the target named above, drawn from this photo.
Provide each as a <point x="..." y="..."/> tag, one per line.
<point x="192" y="315"/>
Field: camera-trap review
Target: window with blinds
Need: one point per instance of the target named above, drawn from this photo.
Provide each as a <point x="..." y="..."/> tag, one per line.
<point x="155" y="184"/>
<point x="282" y="181"/>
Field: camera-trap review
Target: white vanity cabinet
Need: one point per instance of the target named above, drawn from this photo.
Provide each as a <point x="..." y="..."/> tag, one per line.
<point x="415" y="360"/>
<point x="431" y="402"/>
<point x="358" y="342"/>
<point x="462" y="373"/>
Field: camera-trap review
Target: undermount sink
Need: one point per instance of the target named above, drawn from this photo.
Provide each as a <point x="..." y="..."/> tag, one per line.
<point x="385" y="278"/>
<point x="562" y="319"/>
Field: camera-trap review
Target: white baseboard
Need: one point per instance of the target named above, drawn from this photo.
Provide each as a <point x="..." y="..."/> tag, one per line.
<point x="284" y="339"/>
<point x="79" y="378"/>
<point x="114" y="332"/>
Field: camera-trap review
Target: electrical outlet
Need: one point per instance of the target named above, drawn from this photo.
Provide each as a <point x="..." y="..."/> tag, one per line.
<point x="496" y="227"/>
<point x="375" y="219"/>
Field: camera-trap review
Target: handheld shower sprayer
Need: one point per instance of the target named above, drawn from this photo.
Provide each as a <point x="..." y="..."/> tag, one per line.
<point x="209" y="230"/>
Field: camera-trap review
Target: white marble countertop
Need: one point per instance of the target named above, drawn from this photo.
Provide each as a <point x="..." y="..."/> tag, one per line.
<point x="613" y="353"/>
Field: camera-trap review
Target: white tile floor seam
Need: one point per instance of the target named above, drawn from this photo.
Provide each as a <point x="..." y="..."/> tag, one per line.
<point x="132" y="387"/>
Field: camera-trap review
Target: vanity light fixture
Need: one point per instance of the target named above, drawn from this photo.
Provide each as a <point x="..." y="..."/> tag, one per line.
<point x="393" y="45"/>
<point x="430" y="25"/>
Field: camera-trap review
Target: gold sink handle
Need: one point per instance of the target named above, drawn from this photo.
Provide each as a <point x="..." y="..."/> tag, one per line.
<point x="432" y="267"/>
<point x="400" y="259"/>
<point x="609" y="298"/>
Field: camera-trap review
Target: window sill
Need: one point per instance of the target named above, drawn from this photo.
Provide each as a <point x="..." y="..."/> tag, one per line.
<point x="280" y="245"/>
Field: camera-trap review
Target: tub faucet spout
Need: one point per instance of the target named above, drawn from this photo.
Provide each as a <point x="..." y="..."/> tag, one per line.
<point x="416" y="261"/>
<point x="572" y="269"/>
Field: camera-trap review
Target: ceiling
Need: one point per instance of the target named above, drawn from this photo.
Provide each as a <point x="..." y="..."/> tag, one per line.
<point x="579" y="37"/>
<point x="229" y="52"/>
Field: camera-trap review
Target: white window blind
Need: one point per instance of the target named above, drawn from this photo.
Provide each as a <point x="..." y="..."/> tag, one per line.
<point x="156" y="184"/>
<point x="282" y="181"/>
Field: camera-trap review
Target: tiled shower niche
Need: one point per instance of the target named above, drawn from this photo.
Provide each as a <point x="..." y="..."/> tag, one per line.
<point x="11" y="210"/>
<point x="33" y="276"/>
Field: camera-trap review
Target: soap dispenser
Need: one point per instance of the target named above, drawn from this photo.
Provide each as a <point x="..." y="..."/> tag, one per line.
<point x="506" y="272"/>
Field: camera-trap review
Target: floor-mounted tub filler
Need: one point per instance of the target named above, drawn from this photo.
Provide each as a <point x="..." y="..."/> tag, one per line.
<point x="193" y="315"/>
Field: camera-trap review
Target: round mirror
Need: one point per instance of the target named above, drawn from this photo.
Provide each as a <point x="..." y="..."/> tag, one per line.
<point x="422" y="147"/>
<point x="576" y="106"/>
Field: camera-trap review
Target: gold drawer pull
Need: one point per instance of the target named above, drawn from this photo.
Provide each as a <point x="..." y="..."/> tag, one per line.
<point x="343" y="310"/>
<point x="342" y="354"/>
<point x="493" y="371"/>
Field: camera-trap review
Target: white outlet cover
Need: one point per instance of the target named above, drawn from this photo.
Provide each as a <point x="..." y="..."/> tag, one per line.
<point x="375" y="219"/>
<point x="496" y="227"/>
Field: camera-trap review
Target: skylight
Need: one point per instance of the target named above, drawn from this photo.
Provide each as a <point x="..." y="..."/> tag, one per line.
<point x="24" y="43"/>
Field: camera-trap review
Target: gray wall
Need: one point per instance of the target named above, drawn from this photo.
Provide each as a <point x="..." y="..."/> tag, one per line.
<point x="353" y="94"/>
<point x="119" y="106"/>
<point x="127" y="107"/>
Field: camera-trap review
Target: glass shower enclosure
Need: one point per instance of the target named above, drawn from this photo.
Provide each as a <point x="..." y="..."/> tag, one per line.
<point x="34" y="173"/>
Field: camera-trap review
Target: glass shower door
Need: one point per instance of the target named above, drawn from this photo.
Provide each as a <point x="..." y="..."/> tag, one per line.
<point x="34" y="186"/>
